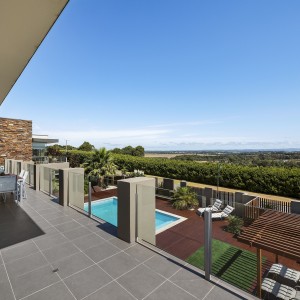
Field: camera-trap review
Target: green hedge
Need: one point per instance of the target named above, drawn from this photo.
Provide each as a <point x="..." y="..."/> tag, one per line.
<point x="267" y="180"/>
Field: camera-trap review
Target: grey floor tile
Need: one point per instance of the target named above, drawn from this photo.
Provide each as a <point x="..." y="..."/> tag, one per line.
<point x="24" y="265"/>
<point x="170" y="291"/>
<point x="6" y="291"/>
<point x="107" y="231"/>
<point x="118" y="264"/>
<point x="52" y="216"/>
<point x="3" y="275"/>
<point x="191" y="282"/>
<point x="33" y="281"/>
<point x="56" y="291"/>
<point x="140" y="253"/>
<point x="48" y="231"/>
<point x="50" y="241"/>
<point x="227" y="293"/>
<point x="72" y="264"/>
<point x="47" y="211"/>
<point x="60" y="251"/>
<point x="43" y="224"/>
<point x="17" y="251"/>
<point x="88" y="241"/>
<point x="60" y="220"/>
<point x="120" y="243"/>
<point x="162" y="265"/>
<point x="68" y="226"/>
<point x="140" y="281"/>
<point x="77" y="233"/>
<point x="112" y="291"/>
<point x="100" y="252"/>
<point x="87" y="281"/>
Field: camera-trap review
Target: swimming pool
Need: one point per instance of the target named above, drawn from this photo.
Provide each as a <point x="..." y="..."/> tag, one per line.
<point x="107" y="210"/>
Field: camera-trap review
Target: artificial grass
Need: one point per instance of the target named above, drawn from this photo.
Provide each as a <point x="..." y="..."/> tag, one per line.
<point x="230" y="263"/>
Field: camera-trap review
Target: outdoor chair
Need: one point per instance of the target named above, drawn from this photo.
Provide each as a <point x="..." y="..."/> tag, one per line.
<point x="215" y="207"/>
<point x="274" y="290"/>
<point x="8" y="184"/>
<point x="284" y="275"/>
<point x="224" y="214"/>
<point x="22" y="173"/>
<point x="21" y="186"/>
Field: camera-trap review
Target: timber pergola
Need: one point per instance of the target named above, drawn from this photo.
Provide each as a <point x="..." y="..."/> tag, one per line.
<point x="275" y="232"/>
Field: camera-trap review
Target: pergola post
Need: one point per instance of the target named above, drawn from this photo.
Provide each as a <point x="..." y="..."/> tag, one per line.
<point x="276" y="259"/>
<point x="258" y="252"/>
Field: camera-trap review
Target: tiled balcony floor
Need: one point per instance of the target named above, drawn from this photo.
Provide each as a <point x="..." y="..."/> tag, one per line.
<point x="65" y="255"/>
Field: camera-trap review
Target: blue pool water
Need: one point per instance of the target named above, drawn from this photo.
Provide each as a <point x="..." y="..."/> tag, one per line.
<point x="107" y="210"/>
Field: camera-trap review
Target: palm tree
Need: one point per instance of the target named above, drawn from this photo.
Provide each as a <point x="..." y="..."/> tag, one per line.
<point x="100" y="165"/>
<point x="184" y="198"/>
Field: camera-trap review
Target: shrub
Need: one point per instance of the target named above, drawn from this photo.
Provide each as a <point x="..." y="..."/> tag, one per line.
<point x="235" y="224"/>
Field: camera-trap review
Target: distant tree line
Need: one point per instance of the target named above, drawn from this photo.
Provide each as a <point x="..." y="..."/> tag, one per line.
<point x="58" y="150"/>
<point x="260" y="159"/>
<point x="129" y="150"/>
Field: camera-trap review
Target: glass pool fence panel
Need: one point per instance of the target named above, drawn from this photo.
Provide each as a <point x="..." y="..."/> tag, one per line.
<point x="41" y="177"/>
<point x="232" y="261"/>
<point x="76" y="190"/>
<point x="145" y="214"/>
<point x="54" y="177"/>
<point x="45" y="180"/>
<point x="30" y="169"/>
<point x="19" y="167"/>
<point x="182" y="231"/>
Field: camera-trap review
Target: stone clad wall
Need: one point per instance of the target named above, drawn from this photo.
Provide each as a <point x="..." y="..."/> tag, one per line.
<point x="15" y="139"/>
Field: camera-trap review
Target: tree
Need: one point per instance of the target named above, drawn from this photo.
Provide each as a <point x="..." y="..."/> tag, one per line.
<point x="100" y="165"/>
<point x="86" y="146"/>
<point x="138" y="151"/>
<point x="184" y="198"/>
<point x="53" y="150"/>
<point x="116" y="151"/>
<point x="128" y="150"/>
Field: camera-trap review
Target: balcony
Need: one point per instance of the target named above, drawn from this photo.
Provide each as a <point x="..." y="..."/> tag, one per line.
<point x="53" y="252"/>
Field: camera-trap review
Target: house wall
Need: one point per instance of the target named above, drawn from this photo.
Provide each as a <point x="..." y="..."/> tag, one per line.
<point x="15" y="139"/>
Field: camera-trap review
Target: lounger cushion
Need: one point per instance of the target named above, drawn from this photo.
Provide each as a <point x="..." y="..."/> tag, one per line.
<point x="228" y="210"/>
<point x="280" y="291"/>
<point x="216" y="206"/>
<point x="284" y="274"/>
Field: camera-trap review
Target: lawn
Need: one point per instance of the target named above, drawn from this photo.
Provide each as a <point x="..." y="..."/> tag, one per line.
<point x="231" y="264"/>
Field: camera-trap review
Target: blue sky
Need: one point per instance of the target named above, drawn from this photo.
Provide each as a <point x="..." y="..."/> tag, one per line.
<point x="167" y="75"/>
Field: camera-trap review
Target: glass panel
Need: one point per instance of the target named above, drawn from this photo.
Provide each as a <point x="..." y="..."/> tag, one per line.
<point x="45" y="179"/>
<point x="31" y="175"/>
<point x="183" y="234"/>
<point x="18" y="167"/>
<point x="54" y="182"/>
<point x="76" y="189"/>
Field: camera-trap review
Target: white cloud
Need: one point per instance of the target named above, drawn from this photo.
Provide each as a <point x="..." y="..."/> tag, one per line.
<point x="183" y="124"/>
<point x="156" y="138"/>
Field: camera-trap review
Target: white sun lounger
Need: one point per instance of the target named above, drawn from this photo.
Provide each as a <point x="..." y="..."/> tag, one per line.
<point x="215" y="207"/>
<point x="275" y="290"/>
<point x="224" y="214"/>
<point x="284" y="275"/>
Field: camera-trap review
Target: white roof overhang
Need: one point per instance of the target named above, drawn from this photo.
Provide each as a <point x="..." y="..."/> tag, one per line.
<point x="23" y="26"/>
